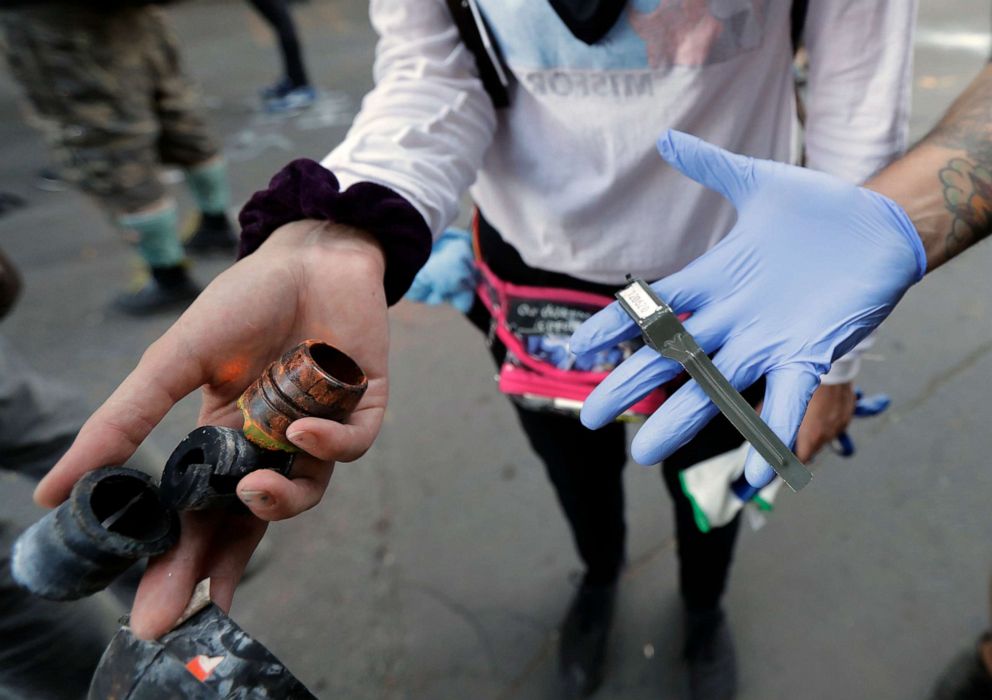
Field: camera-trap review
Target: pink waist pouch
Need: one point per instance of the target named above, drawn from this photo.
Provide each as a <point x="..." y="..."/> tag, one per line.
<point x="535" y="323"/>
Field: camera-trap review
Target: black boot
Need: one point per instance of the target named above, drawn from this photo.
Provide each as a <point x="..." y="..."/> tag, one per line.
<point x="584" y="632"/>
<point x="710" y="657"/>
<point x="169" y="288"/>
<point x="214" y="234"/>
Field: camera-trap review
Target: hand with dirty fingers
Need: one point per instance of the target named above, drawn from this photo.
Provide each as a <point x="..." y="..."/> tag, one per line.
<point x="248" y="317"/>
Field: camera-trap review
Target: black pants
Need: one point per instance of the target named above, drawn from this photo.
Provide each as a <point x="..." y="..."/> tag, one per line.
<point x="276" y="13"/>
<point x="586" y="467"/>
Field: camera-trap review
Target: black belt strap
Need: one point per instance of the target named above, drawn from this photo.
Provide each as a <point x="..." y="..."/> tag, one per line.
<point x="476" y="36"/>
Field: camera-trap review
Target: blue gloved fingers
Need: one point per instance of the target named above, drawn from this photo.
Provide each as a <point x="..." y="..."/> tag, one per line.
<point x="689" y="289"/>
<point x="455" y="234"/>
<point x="686" y="291"/>
<point x="642" y="372"/>
<point x="730" y="174"/>
<point x="435" y="297"/>
<point x="469" y="275"/>
<point x="420" y="288"/>
<point x="683" y="415"/>
<point x="603" y="329"/>
<point x="463" y="300"/>
<point x="788" y="390"/>
<point x="636" y="376"/>
<point x="677" y="421"/>
<point x="844" y="445"/>
<point x="449" y="271"/>
<point x="872" y="405"/>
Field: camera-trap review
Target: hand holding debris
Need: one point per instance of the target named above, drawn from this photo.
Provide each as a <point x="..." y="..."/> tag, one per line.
<point x="812" y="265"/>
<point x="309" y="280"/>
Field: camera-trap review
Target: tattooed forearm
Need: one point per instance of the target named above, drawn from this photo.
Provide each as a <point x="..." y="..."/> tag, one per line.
<point x="967" y="180"/>
<point x="945" y="182"/>
<point x="968" y="197"/>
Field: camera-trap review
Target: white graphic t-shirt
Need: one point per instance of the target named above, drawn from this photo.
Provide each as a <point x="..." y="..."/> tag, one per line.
<point x="568" y="173"/>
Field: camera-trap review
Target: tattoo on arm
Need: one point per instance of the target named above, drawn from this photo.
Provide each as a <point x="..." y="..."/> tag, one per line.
<point x="968" y="196"/>
<point x="967" y="180"/>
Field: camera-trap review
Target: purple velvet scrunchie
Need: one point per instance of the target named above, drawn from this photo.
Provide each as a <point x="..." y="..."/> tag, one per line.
<point x="305" y="189"/>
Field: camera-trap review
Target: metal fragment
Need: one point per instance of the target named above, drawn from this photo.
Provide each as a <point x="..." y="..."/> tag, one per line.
<point x="312" y="379"/>
<point x="663" y="331"/>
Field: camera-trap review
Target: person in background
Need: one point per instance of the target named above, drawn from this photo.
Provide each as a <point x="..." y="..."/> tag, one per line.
<point x="106" y="81"/>
<point x="809" y="304"/>
<point x="293" y="91"/>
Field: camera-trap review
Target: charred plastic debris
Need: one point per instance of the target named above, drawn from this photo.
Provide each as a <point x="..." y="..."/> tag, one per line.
<point x="112" y="519"/>
<point x="206" y="657"/>
<point x="205" y="468"/>
<point x="116" y="516"/>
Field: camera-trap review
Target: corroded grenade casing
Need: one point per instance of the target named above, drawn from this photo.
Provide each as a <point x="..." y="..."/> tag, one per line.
<point x="313" y="379"/>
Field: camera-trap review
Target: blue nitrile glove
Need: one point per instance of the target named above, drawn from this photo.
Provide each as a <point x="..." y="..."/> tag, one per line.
<point x="449" y="275"/>
<point x="812" y="265"/>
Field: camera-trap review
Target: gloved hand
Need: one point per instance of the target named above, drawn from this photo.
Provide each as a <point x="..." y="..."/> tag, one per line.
<point x="449" y="275"/>
<point x="812" y="265"/>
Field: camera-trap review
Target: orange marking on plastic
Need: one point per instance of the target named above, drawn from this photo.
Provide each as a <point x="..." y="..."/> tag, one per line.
<point x="202" y="666"/>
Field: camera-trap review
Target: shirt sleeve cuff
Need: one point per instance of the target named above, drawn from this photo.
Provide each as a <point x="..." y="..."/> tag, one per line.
<point x="304" y="189"/>
<point x="845" y="369"/>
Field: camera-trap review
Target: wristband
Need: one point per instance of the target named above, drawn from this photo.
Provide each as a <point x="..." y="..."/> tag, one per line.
<point x="304" y="189"/>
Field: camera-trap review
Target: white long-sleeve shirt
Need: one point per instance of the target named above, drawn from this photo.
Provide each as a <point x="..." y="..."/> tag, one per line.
<point x="568" y="173"/>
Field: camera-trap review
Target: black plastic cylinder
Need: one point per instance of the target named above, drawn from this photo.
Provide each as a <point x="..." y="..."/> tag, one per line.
<point x="112" y="519"/>
<point x="205" y="468"/>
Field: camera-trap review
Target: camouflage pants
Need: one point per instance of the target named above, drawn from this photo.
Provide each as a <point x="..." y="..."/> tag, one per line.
<point x="110" y="95"/>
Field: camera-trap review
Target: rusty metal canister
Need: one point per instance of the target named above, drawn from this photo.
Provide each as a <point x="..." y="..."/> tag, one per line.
<point x="313" y="379"/>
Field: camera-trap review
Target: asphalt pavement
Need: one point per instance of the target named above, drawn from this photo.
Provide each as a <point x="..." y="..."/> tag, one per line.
<point x="439" y="566"/>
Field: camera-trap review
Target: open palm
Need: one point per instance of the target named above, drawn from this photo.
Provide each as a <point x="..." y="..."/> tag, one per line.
<point x="309" y="280"/>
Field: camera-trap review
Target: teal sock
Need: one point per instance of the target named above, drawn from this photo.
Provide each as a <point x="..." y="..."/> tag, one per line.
<point x="210" y="187"/>
<point x="158" y="235"/>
